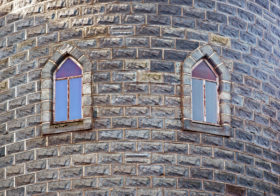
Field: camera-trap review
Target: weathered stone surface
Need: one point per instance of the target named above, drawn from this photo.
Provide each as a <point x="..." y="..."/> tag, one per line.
<point x="137" y="59"/>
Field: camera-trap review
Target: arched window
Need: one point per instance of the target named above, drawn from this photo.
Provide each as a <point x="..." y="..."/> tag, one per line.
<point x="206" y="93"/>
<point x="66" y="97"/>
<point x="205" y="84"/>
<point x="68" y="91"/>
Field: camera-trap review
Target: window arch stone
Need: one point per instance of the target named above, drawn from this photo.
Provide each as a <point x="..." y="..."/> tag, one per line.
<point x="48" y="127"/>
<point x="207" y="52"/>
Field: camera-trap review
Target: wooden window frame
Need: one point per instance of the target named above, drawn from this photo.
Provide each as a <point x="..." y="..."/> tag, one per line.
<point x="204" y="93"/>
<point x="68" y="91"/>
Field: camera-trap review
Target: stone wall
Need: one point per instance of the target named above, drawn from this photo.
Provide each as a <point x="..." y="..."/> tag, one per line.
<point x="136" y="51"/>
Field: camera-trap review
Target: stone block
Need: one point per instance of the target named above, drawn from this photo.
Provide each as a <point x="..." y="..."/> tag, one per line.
<point x="224" y="154"/>
<point x="45" y="153"/>
<point x="71" y="150"/>
<point x="148" y="30"/>
<point x="59" y="139"/>
<point x="84" y="183"/>
<point x="16" y="191"/>
<point x="163" y="158"/>
<point x="97" y="170"/>
<point x="6" y="184"/>
<point x="137" y="134"/>
<point x="214" y="186"/>
<point x="164" y="182"/>
<point x="163" y="135"/>
<point x="109" y="88"/>
<point x="25" y="179"/>
<point x="59" y="185"/>
<point x="147" y="170"/>
<point x="109" y="158"/>
<point x="25" y="156"/>
<point x="201" y="173"/>
<point x="171" y="9"/>
<point x="138" y="181"/>
<point x="253" y="172"/>
<point x="36" y="189"/>
<point x="199" y="150"/>
<point x="189" y="183"/>
<point x="158" y="20"/>
<point x="73" y="172"/>
<point x="111" y="182"/>
<point x="36" y="165"/>
<point x="15" y="147"/>
<point x="123" y="146"/>
<point x="176" y="148"/>
<point x="107" y="20"/>
<point x="137" y="158"/>
<point x="124" y="53"/>
<point x="124" y="170"/>
<point x="171" y="170"/>
<point x="14" y="170"/>
<point x="137" y="42"/>
<point x="225" y="177"/>
<point x="175" y="55"/>
<point x="150" y="123"/>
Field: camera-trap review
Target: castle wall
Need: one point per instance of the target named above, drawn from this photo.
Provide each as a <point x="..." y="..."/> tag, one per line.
<point x="135" y="51"/>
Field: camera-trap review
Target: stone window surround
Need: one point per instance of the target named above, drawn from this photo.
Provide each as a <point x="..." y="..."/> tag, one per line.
<point x="48" y="127"/>
<point x="209" y="54"/>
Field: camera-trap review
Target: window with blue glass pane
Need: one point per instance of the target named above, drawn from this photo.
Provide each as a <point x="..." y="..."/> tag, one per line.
<point x="68" y="92"/>
<point x="205" y="93"/>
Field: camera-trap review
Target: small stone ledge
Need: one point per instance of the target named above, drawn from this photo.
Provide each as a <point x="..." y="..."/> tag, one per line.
<point x="207" y="128"/>
<point x="84" y="124"/>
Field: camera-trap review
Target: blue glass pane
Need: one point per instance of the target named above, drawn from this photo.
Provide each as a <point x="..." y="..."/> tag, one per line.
<point x="69" y="68"/>
<point x="211" y="102"/>
<point x="197" y="99"/>
<point x="61" y="100"/>
<point x="75" y="98"/>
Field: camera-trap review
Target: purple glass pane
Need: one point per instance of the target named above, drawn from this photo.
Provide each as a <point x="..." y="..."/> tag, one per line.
<point x="69" y="68"/>
<point x="75" y="98"/>
<point x="203" y="71"/>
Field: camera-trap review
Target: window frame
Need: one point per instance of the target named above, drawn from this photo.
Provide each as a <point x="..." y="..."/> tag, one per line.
<point x="68" y="91"/>
<point x="47" y="91"/>
<point x="204" y="93"/>
<point x="223" y="128"/>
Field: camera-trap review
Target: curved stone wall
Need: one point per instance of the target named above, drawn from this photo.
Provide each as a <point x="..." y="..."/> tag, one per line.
<point x="136" y="53"/>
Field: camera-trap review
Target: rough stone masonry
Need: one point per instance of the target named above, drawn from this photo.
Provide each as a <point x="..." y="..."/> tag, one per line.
<point x="133" y="140"/>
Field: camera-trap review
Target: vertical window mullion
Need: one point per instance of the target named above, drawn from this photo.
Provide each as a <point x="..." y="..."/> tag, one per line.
<point x="204" y="102"/>
<point x="68" y="99"/>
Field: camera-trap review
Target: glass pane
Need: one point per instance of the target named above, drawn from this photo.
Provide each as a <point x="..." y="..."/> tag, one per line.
<point x="197" y="99"/>
<point x="61" y="100"/>
<point x="68" y="68"/>
<point x="75" y="98"/>
<point x="204" y="72"/>
<point x="211" y="102"/>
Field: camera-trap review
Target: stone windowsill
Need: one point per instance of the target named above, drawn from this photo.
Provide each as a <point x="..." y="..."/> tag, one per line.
<point x="84" y="124"/>
<point x="207" y="128"/>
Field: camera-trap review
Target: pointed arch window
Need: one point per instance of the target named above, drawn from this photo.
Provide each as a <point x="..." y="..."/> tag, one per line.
<point x="205" y="83"/>
<point x="206" y="93"/>
<point x="68" y="91"/>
